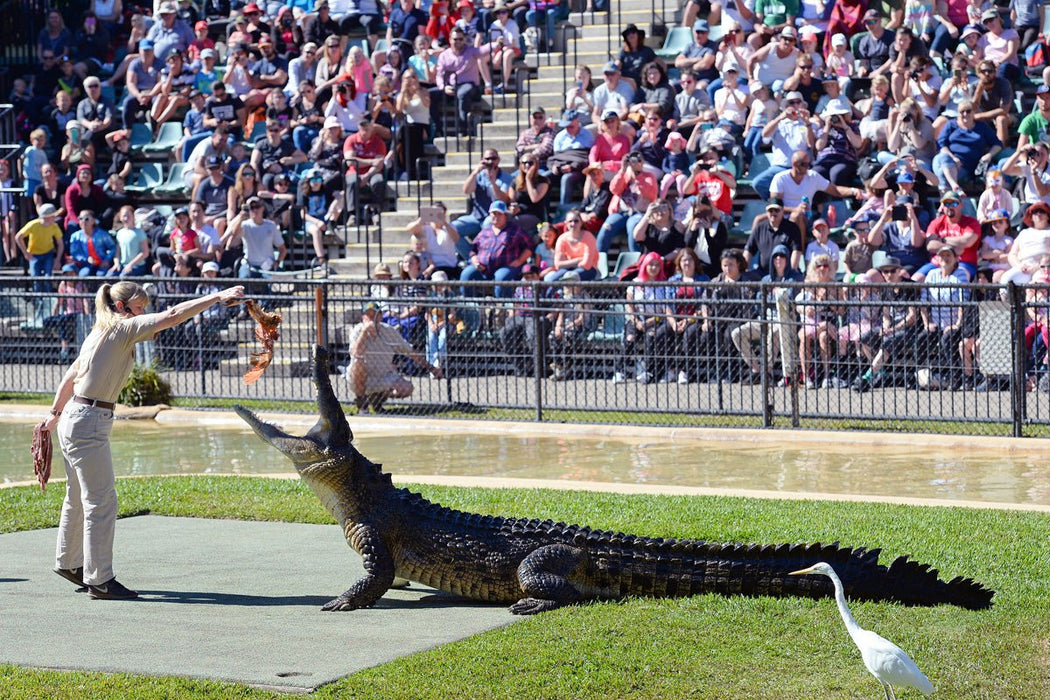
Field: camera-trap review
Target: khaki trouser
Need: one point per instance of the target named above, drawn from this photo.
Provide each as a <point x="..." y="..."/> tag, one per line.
<point x="89" y="513"/>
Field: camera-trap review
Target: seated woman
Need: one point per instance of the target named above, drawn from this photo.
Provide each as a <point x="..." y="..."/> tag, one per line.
<point x="647" y="335"/>
<point x="658" y="232"/>
<point x="407" y="315"/>
<point x="575" y="251"/>
<point x="819" y="308"/>
<point x="684" y="311"/>
<point x="530" y="192"/>
<point x="654" y="92"/>
<point x="964" y="145"/>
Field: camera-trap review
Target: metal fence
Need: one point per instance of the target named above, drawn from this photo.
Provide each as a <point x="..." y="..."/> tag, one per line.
<point x="967" y="359"/>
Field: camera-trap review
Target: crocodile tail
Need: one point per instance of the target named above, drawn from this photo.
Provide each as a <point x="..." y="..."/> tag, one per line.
<point x="903" y="581"/>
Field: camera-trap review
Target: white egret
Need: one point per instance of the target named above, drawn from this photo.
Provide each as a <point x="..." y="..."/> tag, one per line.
<point x="886" y="661"/>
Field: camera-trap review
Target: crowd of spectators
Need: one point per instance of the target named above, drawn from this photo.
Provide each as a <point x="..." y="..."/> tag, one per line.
<point x="895" y="131"/>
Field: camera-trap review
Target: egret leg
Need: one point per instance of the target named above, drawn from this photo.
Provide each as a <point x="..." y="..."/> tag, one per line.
<point x="888" y="689"/>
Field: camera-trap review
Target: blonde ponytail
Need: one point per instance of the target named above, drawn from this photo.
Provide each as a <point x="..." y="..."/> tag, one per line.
<point x="106" y="314"/>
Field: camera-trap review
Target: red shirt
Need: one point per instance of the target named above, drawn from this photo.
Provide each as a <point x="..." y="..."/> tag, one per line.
<point x="362" y="148"/>
<point x="942" y="227"/>
<point x="716" y="190"/>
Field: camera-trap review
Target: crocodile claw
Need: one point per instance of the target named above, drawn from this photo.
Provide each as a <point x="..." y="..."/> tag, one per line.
<point x="338" y="604"/>
<point x="532" y="606"/>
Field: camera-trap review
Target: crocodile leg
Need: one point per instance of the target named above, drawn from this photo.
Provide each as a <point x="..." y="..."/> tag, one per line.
<point x="544" y="579"/>
<point x="379" y="568"/>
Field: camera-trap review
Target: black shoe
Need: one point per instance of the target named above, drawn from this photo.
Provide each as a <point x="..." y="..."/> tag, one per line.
<point x="861" y="385"/>
<point x="111" y="590"/>
<point x="75" y="576"/>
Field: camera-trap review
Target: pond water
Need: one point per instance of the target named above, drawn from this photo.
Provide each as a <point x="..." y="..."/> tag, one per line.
<point x="143" y="448"/>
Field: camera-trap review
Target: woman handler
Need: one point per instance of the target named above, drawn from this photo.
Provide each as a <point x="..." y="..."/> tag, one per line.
<point x="83" y="412"/>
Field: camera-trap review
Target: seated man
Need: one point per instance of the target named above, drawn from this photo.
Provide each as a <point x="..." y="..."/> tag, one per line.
<point x="485" y="184"/>
<point x="373" y="345"/>
<point x="498" y="253"/>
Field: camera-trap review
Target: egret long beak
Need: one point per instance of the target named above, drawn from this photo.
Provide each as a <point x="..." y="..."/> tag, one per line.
<point x="802" y="571"/>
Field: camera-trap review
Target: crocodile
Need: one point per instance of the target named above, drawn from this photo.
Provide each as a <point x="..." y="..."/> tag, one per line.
<point x="535" y="566"/>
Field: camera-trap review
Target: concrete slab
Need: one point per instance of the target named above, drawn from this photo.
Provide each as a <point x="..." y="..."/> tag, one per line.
<point x="220" y="599"/>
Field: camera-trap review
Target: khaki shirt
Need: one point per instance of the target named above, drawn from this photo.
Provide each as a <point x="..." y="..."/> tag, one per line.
<point x="107" y="357"/>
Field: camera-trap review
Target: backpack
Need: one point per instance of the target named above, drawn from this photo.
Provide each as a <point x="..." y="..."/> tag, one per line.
<point x="1037" y="57"/>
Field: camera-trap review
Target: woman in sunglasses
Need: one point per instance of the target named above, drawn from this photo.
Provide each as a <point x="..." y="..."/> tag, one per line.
<point x="530" y="190"/>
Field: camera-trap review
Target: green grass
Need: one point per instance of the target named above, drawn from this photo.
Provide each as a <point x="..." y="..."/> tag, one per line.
<point x="707" y="646"/>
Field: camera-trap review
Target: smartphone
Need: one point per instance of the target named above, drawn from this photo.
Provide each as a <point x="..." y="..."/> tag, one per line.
<point x="899" y="213"/>
<point x="430" y="214"/>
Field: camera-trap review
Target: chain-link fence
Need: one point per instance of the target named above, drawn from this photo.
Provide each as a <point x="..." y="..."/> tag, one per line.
<point x="962" y="359"/>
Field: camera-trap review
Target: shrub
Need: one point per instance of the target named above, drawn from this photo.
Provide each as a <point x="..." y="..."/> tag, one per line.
<point x="145" y="387"/>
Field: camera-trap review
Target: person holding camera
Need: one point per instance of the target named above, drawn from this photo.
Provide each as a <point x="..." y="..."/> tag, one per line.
<point x="838" y="146"/>
<point x="898" y="232"/>
<point x="790" y="132"/>
<point x="910" y="129"/>
<point x="633" y="189"/>
<point x="485" y="184"/>
<point x="1030" y="163"/>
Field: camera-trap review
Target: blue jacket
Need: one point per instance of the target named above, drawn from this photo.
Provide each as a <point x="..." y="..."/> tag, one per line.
<point x="105" y="247"/>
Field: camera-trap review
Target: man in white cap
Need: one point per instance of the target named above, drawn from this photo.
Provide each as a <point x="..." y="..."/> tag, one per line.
<point x="170" y="33"/>
<point x="614" y="93"/>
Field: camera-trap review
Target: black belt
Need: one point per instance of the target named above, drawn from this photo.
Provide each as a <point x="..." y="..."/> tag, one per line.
<point x="109" y="405"/>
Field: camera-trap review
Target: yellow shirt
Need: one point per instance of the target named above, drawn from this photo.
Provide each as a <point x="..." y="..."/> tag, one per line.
<point x="40" y="237"/>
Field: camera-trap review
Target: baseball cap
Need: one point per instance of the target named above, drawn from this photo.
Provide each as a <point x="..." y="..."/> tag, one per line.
<point x="210" y="266"/>
<point x="439" y="276"/>
<point x="181" y="211"/>
<point x="946" y="249"/>
<point x="201" y="24"/>
<point x="70" y="267"/>
<point x="46" y="210"/>
<point x="146" y="45"/>
<point x="989" y="14"/>
<point x="905" y="176"/>
<point x="808" y="32"/>
<point x="789" y="32"/>
<point x="611" y="67"/>
<point x="872" y="14"/>
<point x="252" y="7"/>
<point x="213" y="161"/>
<point x="567" y="116"/>
<point x="701" y="25"/>
<point x="370" y="305"/>
<point x="331" y="122"/>
<point x="998" y="215"/>
<point x="381" y="269"/>
<point x="970" y="29"/>
<point x="951" y="196"/>
<point x="793" y="95"/>
<point x="1042" y="89"/>
<point x="208" y="53"/>
<point x="890" y="263"/>
<point x="539" y="110"/>
<point x="609" y="114"/>
<point x="498" y="207"/>
<point x="839" y="40"/>
<point x="265" y="40"/>
<point x="774" y="203"/>
<point x="167" y="8"/>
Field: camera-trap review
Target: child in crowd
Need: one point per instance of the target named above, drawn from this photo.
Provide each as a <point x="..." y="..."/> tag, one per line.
<point x="763" y="109"/>
<point x="33" y="159"/>
<point x="995" y="246"/>
<point x="200" y="41"/>
<point x="822" y="244"/>
<point x="840" y="60"/>
<point x="70" y="305"/>
<point x="675" y="165"/>
<point x="418" y="245"/>
<point x="545" y="250"/>
<point x="994" y="197"/>
<point x="442" y="321"/>
<point x="859" y="251"/>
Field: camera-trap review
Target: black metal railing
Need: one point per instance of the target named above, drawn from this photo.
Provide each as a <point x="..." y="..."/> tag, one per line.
<point x="731" y="355"/>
